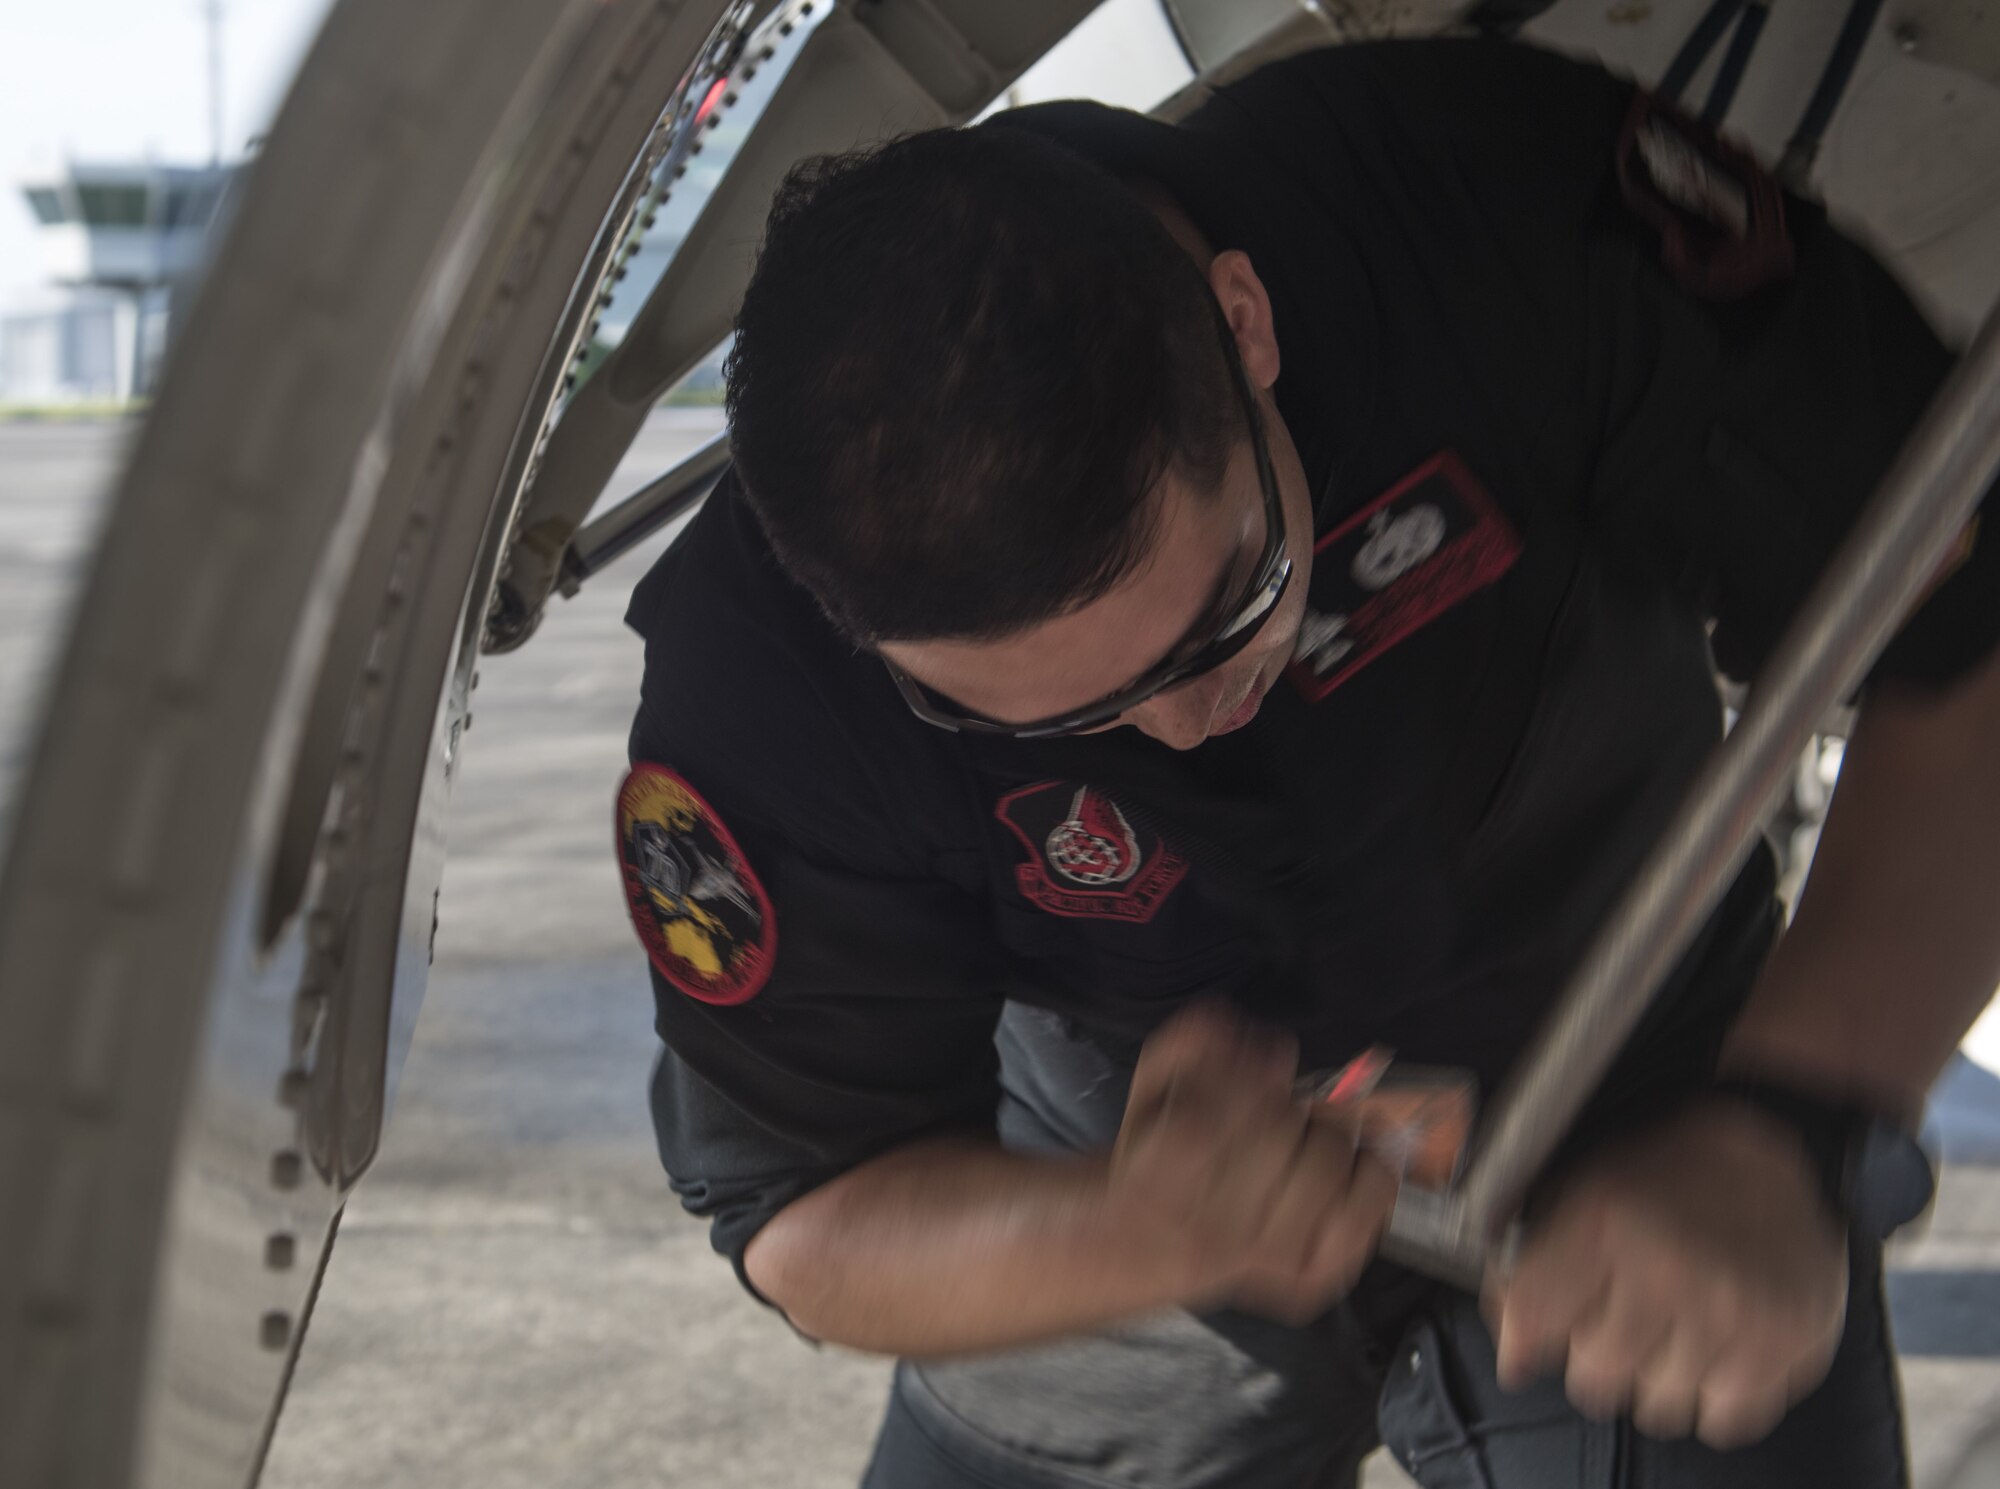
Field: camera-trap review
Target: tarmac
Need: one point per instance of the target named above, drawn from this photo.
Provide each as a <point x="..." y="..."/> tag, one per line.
<point x="516" y="1299"/>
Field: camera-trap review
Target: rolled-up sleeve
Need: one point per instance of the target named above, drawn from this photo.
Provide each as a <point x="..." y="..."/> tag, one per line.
<point x="875" y="1028"/>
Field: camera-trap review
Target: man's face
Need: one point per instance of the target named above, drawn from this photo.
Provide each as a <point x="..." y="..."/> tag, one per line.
<point x="1201" y="561"/>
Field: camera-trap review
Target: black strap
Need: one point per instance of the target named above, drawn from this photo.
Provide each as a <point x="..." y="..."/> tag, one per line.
<point x="1747" y="17"/>
<point x="1734" y="63"/>
<point x="1694" y="51"/>
<point x="1803" y="148"/>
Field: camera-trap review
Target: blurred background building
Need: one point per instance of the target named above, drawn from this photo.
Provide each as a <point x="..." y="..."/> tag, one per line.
<point x="116" y="227"/>
<point x="119" y="243"/>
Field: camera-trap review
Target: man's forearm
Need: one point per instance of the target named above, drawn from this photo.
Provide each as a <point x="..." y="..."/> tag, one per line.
<point x="953" y="1245"/>
<point x="1896" y="944"/>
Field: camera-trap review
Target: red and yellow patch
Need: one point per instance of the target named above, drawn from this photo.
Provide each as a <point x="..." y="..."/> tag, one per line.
<point x="698" y="906"/>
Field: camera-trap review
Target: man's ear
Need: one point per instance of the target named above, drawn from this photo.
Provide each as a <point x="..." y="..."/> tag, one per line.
<point x="1247" y="307"/>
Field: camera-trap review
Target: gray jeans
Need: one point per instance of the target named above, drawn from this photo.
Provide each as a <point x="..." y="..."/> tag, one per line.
<point x="1184" y="1402"/>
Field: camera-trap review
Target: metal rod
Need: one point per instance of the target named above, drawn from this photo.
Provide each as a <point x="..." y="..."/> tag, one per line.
<point x="1873" y="582"/>
<point x="609" y="537"/>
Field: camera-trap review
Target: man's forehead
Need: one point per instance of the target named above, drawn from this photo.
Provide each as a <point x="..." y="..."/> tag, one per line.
<point x="1075" y="659"/>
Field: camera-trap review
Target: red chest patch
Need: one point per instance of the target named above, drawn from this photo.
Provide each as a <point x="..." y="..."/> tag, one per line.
<point x="1085" y="859"/>
<point x="1421" y="547"/>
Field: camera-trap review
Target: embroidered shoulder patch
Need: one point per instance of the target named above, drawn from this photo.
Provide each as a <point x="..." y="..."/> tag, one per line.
<point x="1424" y="545"/>
<point x="1085" y="860"/>
<point x="698" y="907"/>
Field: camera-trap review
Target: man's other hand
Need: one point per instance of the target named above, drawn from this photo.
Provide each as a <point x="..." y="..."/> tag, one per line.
<point x="1267" y="1202"/>
<point x="1693" y="1277"/>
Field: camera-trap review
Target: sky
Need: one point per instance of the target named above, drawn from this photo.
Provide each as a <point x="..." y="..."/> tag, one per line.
<point x="119" y="79"/>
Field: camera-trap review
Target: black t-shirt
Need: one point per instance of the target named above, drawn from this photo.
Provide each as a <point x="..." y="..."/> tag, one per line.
<point x="1554" y="487"/>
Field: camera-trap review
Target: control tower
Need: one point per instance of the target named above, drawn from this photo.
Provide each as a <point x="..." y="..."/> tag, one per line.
<point x="118" y="243"/>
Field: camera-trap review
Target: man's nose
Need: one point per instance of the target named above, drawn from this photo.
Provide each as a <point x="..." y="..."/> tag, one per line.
<point x="1178" y="719"/>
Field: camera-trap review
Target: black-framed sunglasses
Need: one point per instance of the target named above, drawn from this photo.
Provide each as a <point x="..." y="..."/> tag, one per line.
<point x="1238" y="627"/>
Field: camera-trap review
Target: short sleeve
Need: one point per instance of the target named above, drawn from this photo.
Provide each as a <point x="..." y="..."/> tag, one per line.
<point x="1817" y="389"/>
<point x="792" y="849"/>
<point x="1743" y="439"/>
<point x="1740" y="423"/>
<point x="873" y="1027"/>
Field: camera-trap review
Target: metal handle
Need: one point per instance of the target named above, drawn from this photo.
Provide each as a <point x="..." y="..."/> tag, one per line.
<point x="1876" y="578"/>
<point x="613" y="534"/>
